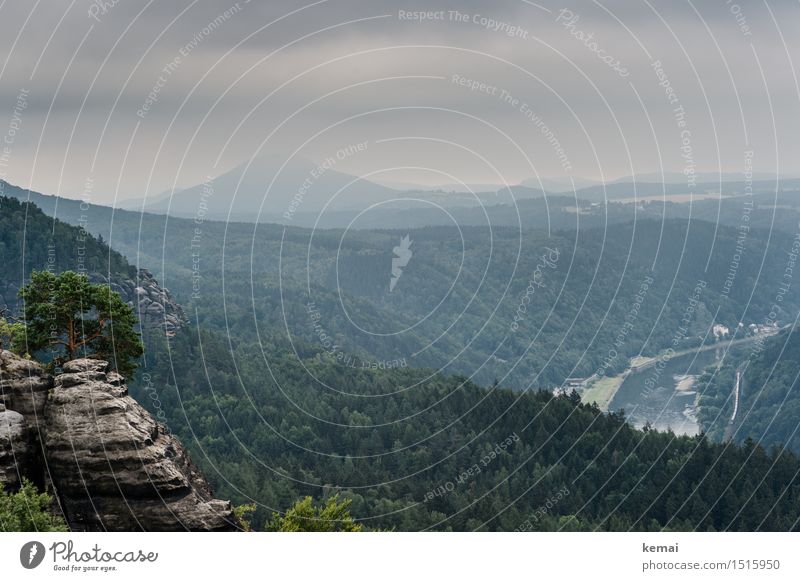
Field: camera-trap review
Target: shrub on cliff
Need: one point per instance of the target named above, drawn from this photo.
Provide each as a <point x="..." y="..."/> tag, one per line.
<point x="28" y="510"/>
<point x="11" y="334"/>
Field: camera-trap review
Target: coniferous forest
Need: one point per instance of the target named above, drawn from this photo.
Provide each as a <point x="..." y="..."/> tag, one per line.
<point x="273" y="416"/>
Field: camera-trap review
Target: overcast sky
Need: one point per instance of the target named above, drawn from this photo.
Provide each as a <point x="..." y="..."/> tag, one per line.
<point x="235" y="80"/>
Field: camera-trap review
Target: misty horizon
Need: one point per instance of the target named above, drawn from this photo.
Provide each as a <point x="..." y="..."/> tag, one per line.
<point x="461" y="92"/>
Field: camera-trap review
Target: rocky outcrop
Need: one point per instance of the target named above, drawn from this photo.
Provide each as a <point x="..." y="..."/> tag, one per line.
<point x="109" y="463"/>
<point x="23" y="387"/>
<point x="15" y="448"/>
<point x="114" y="466"/>
<point x="153" y="304"/>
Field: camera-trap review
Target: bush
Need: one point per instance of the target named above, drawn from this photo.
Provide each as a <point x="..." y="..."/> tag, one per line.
<point x="28" y="511"/>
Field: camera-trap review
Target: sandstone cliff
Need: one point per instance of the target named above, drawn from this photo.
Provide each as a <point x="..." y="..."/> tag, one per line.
<point x="108" y="462"/>
<point x="15" y="448"/>
<point x="152" y="303"/>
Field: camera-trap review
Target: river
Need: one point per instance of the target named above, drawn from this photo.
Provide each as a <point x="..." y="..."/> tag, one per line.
<point x="664" y="395"/>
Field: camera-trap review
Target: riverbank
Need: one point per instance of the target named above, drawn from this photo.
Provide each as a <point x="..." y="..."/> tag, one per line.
<point x="601" y="390"/>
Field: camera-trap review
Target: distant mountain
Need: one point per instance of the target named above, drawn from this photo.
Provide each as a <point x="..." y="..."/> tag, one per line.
<point x="306" y="194"/>
<point x="554" y="185"/>
<point x="559" y="185"/>
<point x="641" y="189"/>
<point x="707" y="177"/>
<point x="269" y="188"/>
<point x="567" y="185"/>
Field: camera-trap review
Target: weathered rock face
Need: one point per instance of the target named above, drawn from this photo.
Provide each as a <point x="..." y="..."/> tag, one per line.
<point x="23" y="394"/>
<point x="153" y="304"/>
<point x="113" y="465"/>
<point x="15" y="448"/>
<point x="109" y="463"/>
<point x="23" y="387"/>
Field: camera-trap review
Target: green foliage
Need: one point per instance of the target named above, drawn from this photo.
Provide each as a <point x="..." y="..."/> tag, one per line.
<point x="28" y="511"/>
<point x="30" y="240"/>
<point x="272" y="274"/>
<point x="251" y="414"/>
<point x="333" y="516"/>
<point x="69" y="317"/>
<point x="274" y="420"/>
<point x="769" y="397"/>
<point x="242" y="512"/>
<point x="12" y="335"/>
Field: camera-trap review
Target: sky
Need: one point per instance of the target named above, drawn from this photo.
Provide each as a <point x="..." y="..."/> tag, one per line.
<point x="119" y="99"/>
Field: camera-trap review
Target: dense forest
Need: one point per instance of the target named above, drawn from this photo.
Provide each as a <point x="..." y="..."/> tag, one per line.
<point x="526" y="309"/>
<point x="273" y="420"/>
<point x="445" y="454"/>
<point x="458" y="307"/>
<point x="30" y="240"/>
<point x="769" y="399"/>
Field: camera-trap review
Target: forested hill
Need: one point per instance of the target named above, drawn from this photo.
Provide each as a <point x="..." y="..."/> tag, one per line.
<point x="465" y="302"/>
<point x="417" y="451"/>
<point x="459" y="302"/>
<point x="24" y="226"/>
<point x="271" y="421"/>
<point x="31" y="240"/>
<point x="768" y="409"/>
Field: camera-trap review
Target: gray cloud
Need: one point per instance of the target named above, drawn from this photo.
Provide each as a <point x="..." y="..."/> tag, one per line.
<point x="222" y="99"/>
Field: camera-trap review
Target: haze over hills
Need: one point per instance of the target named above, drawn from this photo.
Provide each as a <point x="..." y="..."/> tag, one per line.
<point x="227" y="252"/>
<point x="271" y="186"/>
<point x="301" y="192"/>
<point x="670" y="177"/>
<point x="270" y="189"/>
<point x="527" y="209"/>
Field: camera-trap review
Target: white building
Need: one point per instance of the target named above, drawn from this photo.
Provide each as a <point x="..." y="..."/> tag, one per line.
<point x="720" y="332"/>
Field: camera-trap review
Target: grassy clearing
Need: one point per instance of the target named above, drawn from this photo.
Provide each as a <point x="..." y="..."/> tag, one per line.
<point x="602" y="391"/>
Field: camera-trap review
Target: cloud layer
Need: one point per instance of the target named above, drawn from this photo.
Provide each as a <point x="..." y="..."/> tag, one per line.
<point x="132" y="98"/>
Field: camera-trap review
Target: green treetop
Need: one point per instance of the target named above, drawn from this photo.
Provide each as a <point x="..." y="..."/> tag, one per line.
<point x="305" y="517"/>
<point x="73" y="318"/>
<point x="27" y="510"/>
<point x="11" y="333"/>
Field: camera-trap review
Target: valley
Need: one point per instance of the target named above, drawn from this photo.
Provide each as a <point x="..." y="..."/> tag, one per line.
<point x="306" y="346"/>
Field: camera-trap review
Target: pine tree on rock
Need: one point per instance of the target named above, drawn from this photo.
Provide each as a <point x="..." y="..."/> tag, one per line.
<point x="66" y="317"/>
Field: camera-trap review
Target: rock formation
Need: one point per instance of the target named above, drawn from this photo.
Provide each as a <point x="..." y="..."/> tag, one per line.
<point x="24" y="385"/>
<point x="109" y="463"/>
<point x="15" y="448"/>
<point x="153" y="304"/>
